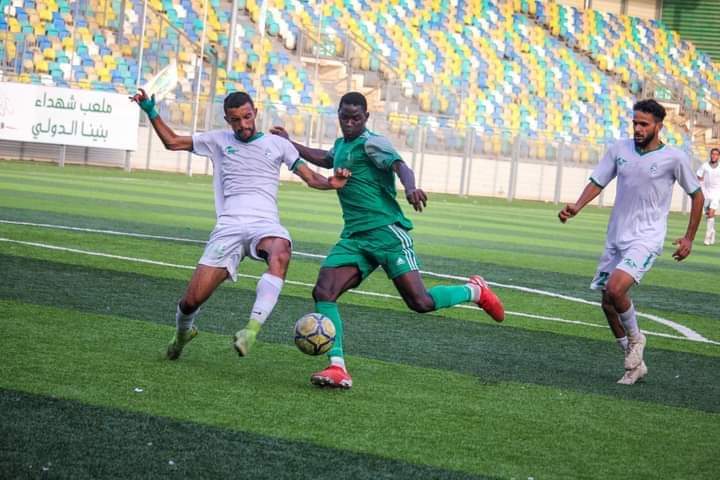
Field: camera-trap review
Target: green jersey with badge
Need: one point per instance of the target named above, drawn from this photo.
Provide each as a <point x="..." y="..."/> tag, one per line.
<point x="368" y="198"/>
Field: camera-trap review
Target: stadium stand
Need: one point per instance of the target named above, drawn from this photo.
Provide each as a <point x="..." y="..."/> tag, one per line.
<point x="526" y="66"/>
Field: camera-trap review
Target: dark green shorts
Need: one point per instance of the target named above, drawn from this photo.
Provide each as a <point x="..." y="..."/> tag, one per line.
<point x="390" y="247"/>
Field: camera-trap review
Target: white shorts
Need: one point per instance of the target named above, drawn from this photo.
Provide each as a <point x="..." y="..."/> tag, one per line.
<point x="712" y="202"/>
<point x="636" y="261"/>
<point x="230" y="243"/>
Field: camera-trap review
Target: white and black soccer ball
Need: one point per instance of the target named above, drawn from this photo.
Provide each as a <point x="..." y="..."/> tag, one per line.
<point x="314" y="334"/>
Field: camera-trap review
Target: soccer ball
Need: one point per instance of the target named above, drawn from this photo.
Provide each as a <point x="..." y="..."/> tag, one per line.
<point x="314" y="334"/>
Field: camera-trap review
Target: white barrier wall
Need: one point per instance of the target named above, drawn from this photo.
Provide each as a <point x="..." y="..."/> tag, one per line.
<point x="434" y="173"/>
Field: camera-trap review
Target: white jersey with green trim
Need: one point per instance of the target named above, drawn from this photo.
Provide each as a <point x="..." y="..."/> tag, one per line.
<point x="710" y="179"/>
<point x="644" y="191"/>
<point x="246" y="175"/>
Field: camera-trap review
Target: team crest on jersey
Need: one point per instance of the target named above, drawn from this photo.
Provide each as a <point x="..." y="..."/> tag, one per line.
<point x="230" y="150"/>
<point x="268" y="154"/>
<point x="619" y="161"/>
<point x="653" y="169"/>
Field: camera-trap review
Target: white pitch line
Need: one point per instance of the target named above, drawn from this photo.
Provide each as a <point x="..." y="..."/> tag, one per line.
<point x="687" y="332"/>
<point x="310" y="285"/>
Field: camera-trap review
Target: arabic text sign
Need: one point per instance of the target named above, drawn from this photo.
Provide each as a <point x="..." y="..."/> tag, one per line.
<point x="35" y="113"/>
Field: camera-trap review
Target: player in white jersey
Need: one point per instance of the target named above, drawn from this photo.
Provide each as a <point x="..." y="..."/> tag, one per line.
<point x="709" y="176"/>
<point x="246" y="168"/>
<point x="646" y="171"/>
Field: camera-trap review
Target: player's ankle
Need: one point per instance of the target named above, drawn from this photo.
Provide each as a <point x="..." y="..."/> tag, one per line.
<point x="253" y="325"/>
<point x="338" y="362"/>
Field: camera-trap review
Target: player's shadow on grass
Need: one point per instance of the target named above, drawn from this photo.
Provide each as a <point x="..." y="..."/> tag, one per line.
<point x="492" y="353"/>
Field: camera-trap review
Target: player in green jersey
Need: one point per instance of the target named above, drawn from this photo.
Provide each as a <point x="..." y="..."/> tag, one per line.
<point x="376" y="232"/>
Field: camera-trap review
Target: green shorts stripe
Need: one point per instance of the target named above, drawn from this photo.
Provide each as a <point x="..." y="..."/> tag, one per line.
<point x="389" y="246"/>
<point x="406" y="242"/>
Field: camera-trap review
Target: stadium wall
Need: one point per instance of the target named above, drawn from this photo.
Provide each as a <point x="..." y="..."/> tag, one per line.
<point x="475" y="175"/>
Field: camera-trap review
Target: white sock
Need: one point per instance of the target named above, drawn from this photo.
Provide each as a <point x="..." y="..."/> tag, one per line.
<point x="267" y="293"/>
<point x="183" y="321"/>
<point x="629" y="321"/>
<point x="338" y="362"/>
<point x="475" y="291"/>
<point x="711" y="224"/>
<point x="622" y="343"/>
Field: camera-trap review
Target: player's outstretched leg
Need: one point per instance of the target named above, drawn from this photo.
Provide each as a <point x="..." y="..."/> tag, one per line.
<point x="417" y="298"/>
<point x="486" y="299"/>
<point x="267" y="294"/>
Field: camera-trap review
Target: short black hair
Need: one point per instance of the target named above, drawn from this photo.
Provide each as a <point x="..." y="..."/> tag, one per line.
<point x="651" y="106"/>
<point x="237" y="99"/>
<point x="714" y="150"/>
<point x="354" y="98"/>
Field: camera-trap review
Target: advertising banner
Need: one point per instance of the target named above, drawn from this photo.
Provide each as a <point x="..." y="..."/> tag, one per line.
<point x="86" y="118"/>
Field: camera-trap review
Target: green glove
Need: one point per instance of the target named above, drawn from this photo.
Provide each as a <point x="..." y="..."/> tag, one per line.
<point x="148" y="106"/>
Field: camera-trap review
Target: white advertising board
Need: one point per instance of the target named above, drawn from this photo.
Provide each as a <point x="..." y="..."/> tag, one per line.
<point x="86" y="118"/>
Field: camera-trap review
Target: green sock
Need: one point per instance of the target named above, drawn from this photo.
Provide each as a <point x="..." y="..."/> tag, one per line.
<point x="253" y="325"/>
<point x="330" y="310"/>
<point x="449" y="295"/>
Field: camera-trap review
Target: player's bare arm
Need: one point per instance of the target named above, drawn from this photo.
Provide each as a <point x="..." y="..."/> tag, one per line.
<point x="415" y="196"/>
<point x="320" y="182"/>
<point x="170" y="139"/>
<point x="316" y="156"/>
<point x="684" y="244"/>
<point x="591" y="191"/>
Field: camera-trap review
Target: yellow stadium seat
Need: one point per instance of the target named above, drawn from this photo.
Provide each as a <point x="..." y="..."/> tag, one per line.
<point x="299" y="126"/>
<point x="45" y="15"/>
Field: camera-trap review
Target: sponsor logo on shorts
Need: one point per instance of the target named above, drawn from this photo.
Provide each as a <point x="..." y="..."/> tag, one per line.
<point x="648" y="260"/>
<point x="602" y="278"/>
<point x="630" y="262"/>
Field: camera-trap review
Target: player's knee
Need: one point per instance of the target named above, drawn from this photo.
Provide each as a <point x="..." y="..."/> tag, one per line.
<point x="614" y="294"/>
<point x="420" y="304"/>
<point x="323" y="293"/>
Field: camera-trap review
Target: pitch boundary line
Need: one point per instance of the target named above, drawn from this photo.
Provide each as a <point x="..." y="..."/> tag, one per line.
<point x="310" y="285"/>
<point x="686" y="331"/>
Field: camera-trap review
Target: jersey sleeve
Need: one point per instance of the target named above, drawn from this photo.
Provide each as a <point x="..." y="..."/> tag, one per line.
<point x="330" y="155"/>
<point x="685" y="176"/>
<point x="289" y="154"/>
<point x="203" y="144"/>
<point x="701" y="171"/>
<point x="381" y="152"/>
<point x="606" y="170"/>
